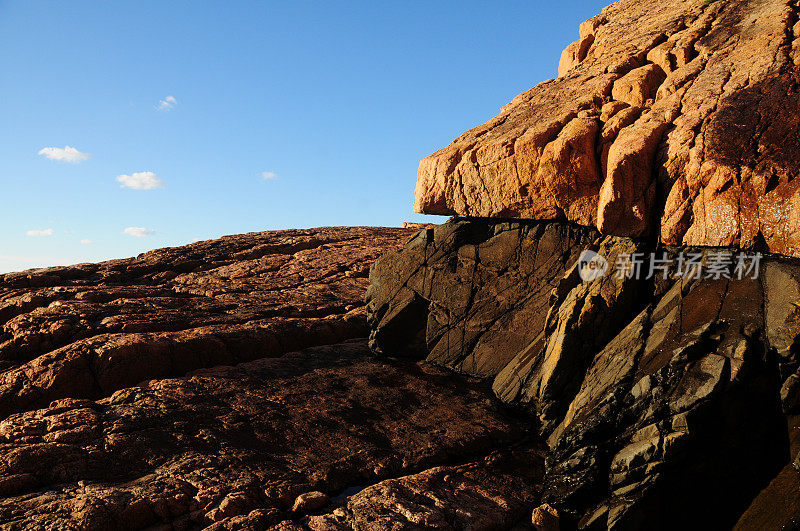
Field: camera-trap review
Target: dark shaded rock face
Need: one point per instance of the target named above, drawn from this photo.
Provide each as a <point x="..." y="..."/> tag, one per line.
<point x="465" y="294"/>
<point x="661" y="416"/>
<point x="654" y="393"/>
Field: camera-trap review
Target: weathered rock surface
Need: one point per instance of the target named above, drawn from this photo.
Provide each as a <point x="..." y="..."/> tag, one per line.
<point x="678" y="119"/>
<point x="310" y="501"/>
<point x="226" y="446"/>
<point x="545" y="518"/>
<point x="674" y="124"/>
<point x="647" y="388"/>
<point x="86" y="331"/>
<point x="220" y="386"/>
<point x="464" y="294"/>
<point x="173" y="390"/>
<point x="494" y="493"/>
<point x="687" y="389"/>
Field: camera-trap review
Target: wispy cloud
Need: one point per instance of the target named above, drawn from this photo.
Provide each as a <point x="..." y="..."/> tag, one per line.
<point x="65" y="154"/>
<point x="143" y="180"/>
<point x="40" y="232"/>
<point x="268" y="175"/>
<point x="138" y="232"/>
<point x="167" y="104"/>
<point x="86" y="242"/>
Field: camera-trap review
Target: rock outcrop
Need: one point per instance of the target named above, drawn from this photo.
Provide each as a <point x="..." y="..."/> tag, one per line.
<point x="675" y="119"/>
<point x="586" y="349"/>
<point x="222" y="385"/>
<point x="646" y="386"/>
<point x="468" y="294"/>
<point x="86" y="331"/>
<point x="670" y="132"/>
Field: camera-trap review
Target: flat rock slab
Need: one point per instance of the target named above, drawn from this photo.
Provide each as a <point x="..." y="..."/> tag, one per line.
<point x="87" y="330"/>
<point x="245" y="441"/>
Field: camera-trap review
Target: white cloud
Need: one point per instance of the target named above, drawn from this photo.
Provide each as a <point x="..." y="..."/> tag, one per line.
<point x="267" y="175"/>
<point x="86" y="242"/>
<point x="40" y="232"/>
<point x="143" y="180"/>
<point x="167" y="104"/>
<point x="138" y="232"/>
<point x="65" y="154"/>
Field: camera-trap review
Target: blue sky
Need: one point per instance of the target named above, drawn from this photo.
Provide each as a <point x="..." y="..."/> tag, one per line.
<point x="336" y="102"/>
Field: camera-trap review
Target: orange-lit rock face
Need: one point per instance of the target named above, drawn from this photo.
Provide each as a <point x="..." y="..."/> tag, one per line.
<point x="670" y="119"/>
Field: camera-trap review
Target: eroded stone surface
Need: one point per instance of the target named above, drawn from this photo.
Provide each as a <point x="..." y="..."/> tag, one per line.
<point x="494" y="493"/>
<point x="167" y="391"/>
<point x="468" y="294"/>
<point x="647" y="388"/>
<point x="226" y="445"/>
<point x="665" y="409"/>
<point x="677" y="119"/>
<point x="86" y="331"/>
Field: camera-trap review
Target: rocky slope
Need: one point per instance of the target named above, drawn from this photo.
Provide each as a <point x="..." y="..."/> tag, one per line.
<point x="663" y="374"/>
<point x="88" y="330"/>
<point x="233" y="447"/>
<point x="585" y="349"/>
<point x="677" y="119"/>
<point x="212" y="385"/>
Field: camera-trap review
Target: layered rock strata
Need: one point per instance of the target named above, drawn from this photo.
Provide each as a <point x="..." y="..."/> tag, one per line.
<point x="88" y="330"/>
<point x="676" y="119"/>
<point x="174" y="390"/>
<point x="647" y="386"/>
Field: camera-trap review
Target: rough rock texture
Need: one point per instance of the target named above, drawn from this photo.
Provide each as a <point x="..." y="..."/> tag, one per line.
<point x="647" y="389"/>
<point x="678" y="119"/>
<point x="88" y="330"/>
<point x="545" y="518"/>
<point x="675" y="124"/>
<point x="228" y="445"/>
<point x="684" y="391"/>
<point x="173" y="391"/>
<point x="494" y="493"/>
<point x="471" y="288"/>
